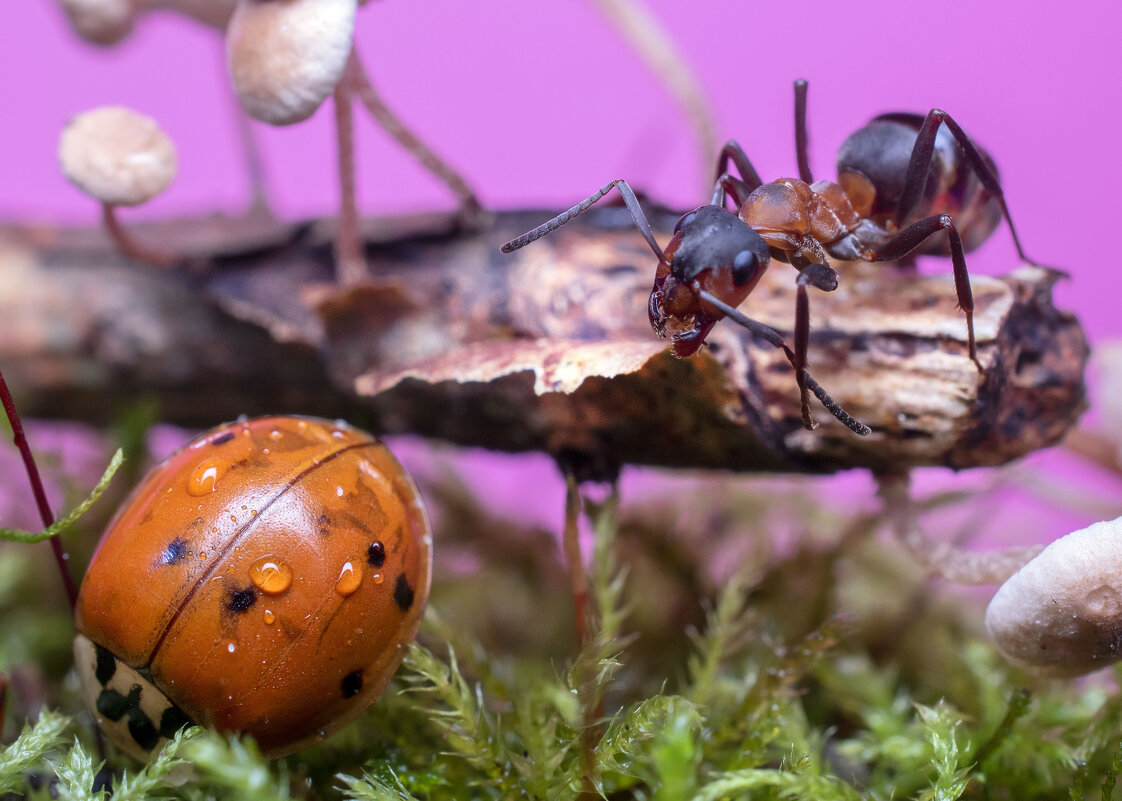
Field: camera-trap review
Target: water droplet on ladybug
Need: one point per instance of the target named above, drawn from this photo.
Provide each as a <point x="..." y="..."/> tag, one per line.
<point x="348" y="580"/>
<point x="205" y="478"/>
<point x="377" y="577"/>
<point x="270" y="575"/>
<point x="269" y="617"/>
<point x="275" y="434"/>
<point x="230" y="647"/>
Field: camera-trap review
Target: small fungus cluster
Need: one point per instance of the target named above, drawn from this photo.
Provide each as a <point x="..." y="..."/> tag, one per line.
<point x="286" y="57"/>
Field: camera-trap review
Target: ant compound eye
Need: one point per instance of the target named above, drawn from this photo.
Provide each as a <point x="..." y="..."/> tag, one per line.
<point x="744" y="267"/>
<point x="684" y="220"/>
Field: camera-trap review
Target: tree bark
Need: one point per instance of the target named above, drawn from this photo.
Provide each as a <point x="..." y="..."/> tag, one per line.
<point x="546" y="349"/>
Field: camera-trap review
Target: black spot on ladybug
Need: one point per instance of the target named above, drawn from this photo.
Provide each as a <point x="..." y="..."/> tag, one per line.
<point x="172" y="721"/>
<point x="222" y="438"/>
<point x="106" y="665"/>
<point x="403" y="593"/>
<point x="241" y="600"/>
<point x="376" y="554"/>
<point x="174" y="552"/>
<point x="112" y="705"/>
<point x="322" y="525"/>
<point x="352" y="684"/>
<point x="142" y="730"/>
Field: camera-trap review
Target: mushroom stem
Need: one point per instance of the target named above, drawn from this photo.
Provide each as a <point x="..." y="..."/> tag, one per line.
<point x="471" y="210"/>
<point x="351" y="267"/>
<point x="37" y="490"/>
<point x="129" y="246"/>
<point x="948" y="561"/>
<point x="663" y="56"/>
<point x="1094" y="448"/>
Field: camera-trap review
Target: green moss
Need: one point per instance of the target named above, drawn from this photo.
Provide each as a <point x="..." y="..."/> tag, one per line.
<point x="834" y="671"/>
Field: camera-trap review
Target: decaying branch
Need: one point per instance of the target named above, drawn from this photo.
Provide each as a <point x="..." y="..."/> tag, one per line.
<point x="545" y="349"/>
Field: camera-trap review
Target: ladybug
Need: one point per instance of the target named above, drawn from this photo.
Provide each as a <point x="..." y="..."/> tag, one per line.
<point x="264" y="579"/>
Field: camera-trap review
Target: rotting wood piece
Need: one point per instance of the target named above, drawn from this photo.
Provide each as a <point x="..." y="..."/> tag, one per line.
<point x="546" y="349"/>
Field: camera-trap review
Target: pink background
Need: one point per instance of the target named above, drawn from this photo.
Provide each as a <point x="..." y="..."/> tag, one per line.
<point x="540" y="103"/>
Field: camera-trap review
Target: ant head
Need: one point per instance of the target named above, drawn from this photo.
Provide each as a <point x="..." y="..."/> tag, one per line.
<point x="713" y="238"/>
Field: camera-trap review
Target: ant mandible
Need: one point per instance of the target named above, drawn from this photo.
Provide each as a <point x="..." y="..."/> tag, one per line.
<point x="712" y="263"/>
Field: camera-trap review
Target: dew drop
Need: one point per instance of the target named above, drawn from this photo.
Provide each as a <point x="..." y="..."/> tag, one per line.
<point x="205" y="478"/>
<point x="275" y="434"/>
<point x="269" y="617"/>
<point x="230" y="647"/>
<point x="202" y="554"/>
<point x="270" y="575"/>
<point x="339" y="491"/>
<point x="377" y="578"/>
<point x="348" y="580"/>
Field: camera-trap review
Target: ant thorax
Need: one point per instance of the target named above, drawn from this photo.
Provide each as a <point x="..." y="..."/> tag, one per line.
<point x="806" y="221"/>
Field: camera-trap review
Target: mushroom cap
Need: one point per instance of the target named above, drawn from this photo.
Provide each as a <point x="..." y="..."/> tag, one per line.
<point x="287" y="56"/>
<point x="1061" y="614"/>
<point x="117" y="155"/>
<point x="103" y="22"/>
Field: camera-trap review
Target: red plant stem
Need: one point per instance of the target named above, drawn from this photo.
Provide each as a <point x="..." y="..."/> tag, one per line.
<point x="45" y="513"/>
<point x="571" y="545"/>
<point x="129" y="246"/>
<point x="350" y="262"/>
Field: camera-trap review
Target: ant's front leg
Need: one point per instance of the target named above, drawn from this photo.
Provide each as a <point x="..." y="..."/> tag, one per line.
<point x="915" y="235"/>
<point x="796" y="357"/>
<point x="920" y="163"/>
<point x="732" y="151"/>
<point x="731" y="186"/>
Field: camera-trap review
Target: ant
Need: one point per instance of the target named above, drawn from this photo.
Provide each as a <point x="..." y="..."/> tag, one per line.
<point x="903" y="180"/>
<point x="885" y="171"/>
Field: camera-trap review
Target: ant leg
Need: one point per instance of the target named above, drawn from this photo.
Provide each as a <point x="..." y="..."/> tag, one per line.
<point x="734" y="187"/>
<point x="920" y="163"/>
<point x="915" y="235"/>
<point x="802" y="374"/>
<point x="629" y="200"/>
<point x="800" y="132"/>
<point x="734" y="152"/>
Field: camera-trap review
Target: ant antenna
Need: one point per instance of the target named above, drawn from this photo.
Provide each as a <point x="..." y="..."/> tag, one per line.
<point x="772" y="336"/>
<point x="629" y="200"/>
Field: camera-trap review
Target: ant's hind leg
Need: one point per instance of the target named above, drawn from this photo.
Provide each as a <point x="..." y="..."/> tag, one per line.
<point x="915" y="235"/>
<point x="920" y="164"/>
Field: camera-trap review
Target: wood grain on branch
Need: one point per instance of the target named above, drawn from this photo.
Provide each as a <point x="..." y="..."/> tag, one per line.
<point x="546" y="349"/>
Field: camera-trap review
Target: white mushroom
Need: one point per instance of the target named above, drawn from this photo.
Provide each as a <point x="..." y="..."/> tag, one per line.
<point x="1061" y="614"/>
<point x="107" y="22"/>
<point x="117" y="155"/>
<point x="287" y="56"/>
<point x="121" y="158"/>
<point x="103" y="22"/>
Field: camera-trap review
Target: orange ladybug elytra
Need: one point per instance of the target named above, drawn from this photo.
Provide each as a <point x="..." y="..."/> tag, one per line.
<point x="264" y="579"/>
